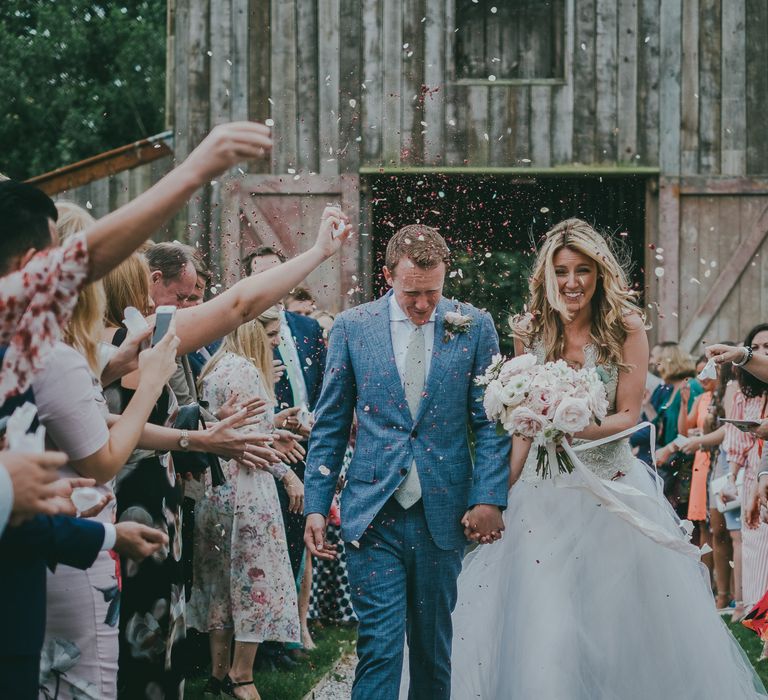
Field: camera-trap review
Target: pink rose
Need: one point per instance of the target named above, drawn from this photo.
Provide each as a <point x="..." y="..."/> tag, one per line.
<point x="523" y="421"/>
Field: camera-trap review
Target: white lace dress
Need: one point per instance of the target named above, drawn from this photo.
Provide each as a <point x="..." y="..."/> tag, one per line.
<point x="589" y="599"/>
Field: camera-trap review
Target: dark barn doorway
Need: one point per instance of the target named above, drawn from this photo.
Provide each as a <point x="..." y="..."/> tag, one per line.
<point x="493" y="224"/>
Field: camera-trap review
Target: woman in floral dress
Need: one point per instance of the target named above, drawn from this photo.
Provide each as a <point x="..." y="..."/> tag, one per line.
<point x="243" y="584"/>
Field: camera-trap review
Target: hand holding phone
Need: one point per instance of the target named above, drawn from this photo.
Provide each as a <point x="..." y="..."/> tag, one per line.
<point x="164" y="315"/>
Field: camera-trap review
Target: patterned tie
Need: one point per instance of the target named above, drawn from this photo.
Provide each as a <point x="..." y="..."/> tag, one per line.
<point x="409" y="491"/>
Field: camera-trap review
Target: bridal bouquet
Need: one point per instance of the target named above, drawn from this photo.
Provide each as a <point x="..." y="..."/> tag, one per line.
<point x="545" y="403"/>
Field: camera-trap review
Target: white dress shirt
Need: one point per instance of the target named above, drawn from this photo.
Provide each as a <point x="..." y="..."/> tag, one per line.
<point x="401" y="328"/>
<point x="290" y="356"/>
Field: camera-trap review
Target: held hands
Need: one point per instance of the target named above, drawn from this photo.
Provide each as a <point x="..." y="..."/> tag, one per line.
<point x="483" y="524"/>
<point x="314" y="538"/>
<point x="137" y="541"/>
<point x="329" y="241"/>
<point x="225" y="146"/>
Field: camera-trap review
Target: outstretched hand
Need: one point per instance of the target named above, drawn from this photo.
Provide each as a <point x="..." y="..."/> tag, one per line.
<point x="334" y="230"/>
<point x="227" y="145"/>
<point x="483" y="524"/>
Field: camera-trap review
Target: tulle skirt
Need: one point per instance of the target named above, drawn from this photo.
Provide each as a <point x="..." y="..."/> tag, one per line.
<point x="574" y="603"/>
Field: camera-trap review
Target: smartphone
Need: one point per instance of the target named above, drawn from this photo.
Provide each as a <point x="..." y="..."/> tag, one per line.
<point x="745" y="426"/>
<point x="163" y="317"/>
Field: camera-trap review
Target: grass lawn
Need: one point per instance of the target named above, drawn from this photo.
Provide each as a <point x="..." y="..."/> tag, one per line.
<point x="752" y="645"/>
<point x="294" y="685"/>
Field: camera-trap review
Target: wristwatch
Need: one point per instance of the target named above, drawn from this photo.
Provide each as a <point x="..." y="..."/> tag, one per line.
<point x="184" y="440"/>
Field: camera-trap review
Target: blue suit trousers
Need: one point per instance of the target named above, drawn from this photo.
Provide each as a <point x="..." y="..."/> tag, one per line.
<point x="402" y="584"/>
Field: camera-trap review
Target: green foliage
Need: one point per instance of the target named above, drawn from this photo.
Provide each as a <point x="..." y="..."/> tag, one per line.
<point x="494" y="280"/>
<point x="78" y="77"/>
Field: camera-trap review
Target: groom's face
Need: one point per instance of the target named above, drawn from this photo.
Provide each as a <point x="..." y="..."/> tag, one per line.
<point x="417" y="289"/>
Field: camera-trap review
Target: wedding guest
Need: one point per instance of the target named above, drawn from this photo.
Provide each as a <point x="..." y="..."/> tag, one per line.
<point x="302" y="351"/>
<point x="677" y="369"/>
<point x="300" y="301"/>
<point x="325" y="319"/>
<point x="744" y="452"/>
<point x="32" y="272"/>
<point x="694" y="424"/>
<point x="244" y="585"/>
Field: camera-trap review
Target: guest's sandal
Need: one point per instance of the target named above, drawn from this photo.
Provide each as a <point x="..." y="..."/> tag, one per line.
<point x="228" y="687"/>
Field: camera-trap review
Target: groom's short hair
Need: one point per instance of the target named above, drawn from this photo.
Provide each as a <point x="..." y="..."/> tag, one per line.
<point x="422" y="244"/>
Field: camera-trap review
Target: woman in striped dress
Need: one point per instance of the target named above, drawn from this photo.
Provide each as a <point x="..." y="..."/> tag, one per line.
<point x="744" y="452"/>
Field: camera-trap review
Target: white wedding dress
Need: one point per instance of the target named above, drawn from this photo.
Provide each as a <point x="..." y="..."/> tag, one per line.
<point x="593" y="593"/>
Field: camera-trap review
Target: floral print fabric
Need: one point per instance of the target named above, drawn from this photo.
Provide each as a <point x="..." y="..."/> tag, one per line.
<point x="243" y="578"/>
<point x="35" y="304"/>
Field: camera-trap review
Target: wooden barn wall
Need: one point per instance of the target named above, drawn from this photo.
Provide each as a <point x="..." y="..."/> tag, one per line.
<point x="107" y="194"/>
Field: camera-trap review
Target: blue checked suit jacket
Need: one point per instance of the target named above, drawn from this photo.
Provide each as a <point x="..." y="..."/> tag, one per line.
<point x="361" y="378"/>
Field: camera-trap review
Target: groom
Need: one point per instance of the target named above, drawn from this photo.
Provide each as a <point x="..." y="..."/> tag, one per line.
<point x="407" y="373"/>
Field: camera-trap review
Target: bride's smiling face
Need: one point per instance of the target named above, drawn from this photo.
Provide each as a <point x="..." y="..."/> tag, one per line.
<point x="576" y="276"/>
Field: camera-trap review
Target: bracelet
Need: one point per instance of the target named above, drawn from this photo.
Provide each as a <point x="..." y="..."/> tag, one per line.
<point x="764" y="472"/>
<point x="746" y="357"/>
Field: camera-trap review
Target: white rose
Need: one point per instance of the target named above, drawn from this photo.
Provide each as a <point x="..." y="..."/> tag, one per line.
<point x="523" y="421"/>
<point x="517" y="365"/>
<point x="514" y="392"/>
<point x="572" y="415"/>
<point x="542" y="399"/>
<point x="493" y="400"/>
<point x="454" y="318"/>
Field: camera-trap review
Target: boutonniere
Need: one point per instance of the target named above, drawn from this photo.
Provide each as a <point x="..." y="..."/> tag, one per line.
<point x="454" y="323"/>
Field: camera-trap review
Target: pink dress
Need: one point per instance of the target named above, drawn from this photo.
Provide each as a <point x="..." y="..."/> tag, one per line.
<point x="81" y="643"/>
<point x="744" y="449"/>
<point x="243" y="578"/>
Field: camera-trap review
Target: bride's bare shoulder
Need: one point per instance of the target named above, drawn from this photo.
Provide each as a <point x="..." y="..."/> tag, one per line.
<point x="634" y="322"/>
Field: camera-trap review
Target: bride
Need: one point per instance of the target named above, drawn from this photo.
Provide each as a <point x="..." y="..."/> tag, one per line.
<point x="594" y="592"/>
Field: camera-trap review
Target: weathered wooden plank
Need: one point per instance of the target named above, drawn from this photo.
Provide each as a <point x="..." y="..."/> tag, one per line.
<point x="350" y="264"/>
<point x="198" y="71"/>
<point x="747" y="214"/>
<point x="689" y="139"/>
<point x="669" y="237"/>
<point x="669" y="86"/>
<point x="239" y="94"/>
<point x="434" y="80"/>
<point x="627" y="81"/>
<point x="350" y="67"/>
<point x="259" y="59"/>
<point x="733" y="120"/>
<point x="310" y="67"/>
<point x="562" y="95"/>
<point x="120" y="189"/>
<point x="393" y="61"/>
<point x="500" y="119"/>
<point x="412" y="79"/>
<point x="522" y="126"/>
<point x="498" y="55"/>
<point x="478" y="139"/>
<point x="729" y="239"/>
<point x="283" y="85"/>
<point x="709" y="85"/>
<point x="229" y="270"/>
<point x="692" y="216"/>
<point x="373" y="87"/>
<point x="329" y="74"/>
<point x="541" y="112"/>
<point x="455" y="106"/>
<point x="648" y="66"/>
<point x="757" y="86"/>
<point x="171" y="77"/>
<point x="220" y="62"/>
<point x="606" y="71"/>
<point x="584" y="79"/>
<point x="727" y="279"/>
<point x="652" y="240"/>
<point x="178" y="116"/>
<point x="723" y="185"/>
<point x="281" y="184"/>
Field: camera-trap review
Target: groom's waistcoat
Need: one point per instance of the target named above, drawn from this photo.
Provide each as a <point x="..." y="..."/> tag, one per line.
<point x="361" y="379"/>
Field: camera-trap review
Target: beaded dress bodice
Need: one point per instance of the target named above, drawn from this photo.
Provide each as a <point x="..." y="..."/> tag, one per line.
<point x="604" y="461"/>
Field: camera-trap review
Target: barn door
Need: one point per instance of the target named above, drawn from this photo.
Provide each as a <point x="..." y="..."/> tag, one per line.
<point x="283" y="211"/>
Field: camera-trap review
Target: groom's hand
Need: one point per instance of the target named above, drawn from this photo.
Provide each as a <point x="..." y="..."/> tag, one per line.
<point x="483" y="523"/>
<point x="314" y="538"/>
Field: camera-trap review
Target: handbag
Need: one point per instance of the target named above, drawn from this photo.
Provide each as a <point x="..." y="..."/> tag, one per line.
<point x="190" y="417"/>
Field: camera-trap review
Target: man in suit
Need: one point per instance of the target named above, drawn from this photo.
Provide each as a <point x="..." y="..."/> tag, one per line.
<point x="407" y="372"/>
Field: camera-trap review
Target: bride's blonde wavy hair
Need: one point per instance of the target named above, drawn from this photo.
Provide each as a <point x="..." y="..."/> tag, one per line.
<point x="612" y="303"/>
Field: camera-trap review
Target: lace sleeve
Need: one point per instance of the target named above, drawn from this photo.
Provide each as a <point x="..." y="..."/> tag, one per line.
<point x="36" y="303"/>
